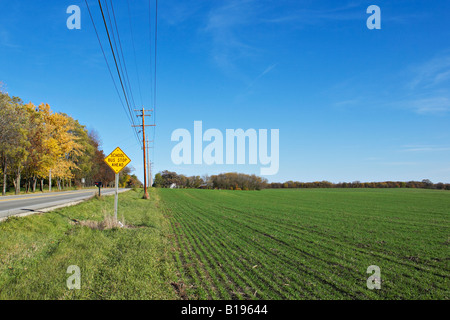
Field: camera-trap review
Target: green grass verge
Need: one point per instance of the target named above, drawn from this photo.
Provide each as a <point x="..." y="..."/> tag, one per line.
<point x="115" y="264"/>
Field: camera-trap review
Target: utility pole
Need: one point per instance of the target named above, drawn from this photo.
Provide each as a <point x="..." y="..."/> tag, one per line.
<point x="143" y="115"/>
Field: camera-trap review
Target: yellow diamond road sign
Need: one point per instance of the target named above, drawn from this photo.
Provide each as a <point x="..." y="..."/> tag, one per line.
<point x="117" y="160"/>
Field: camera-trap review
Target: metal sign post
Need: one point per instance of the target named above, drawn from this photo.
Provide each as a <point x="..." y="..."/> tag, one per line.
<point x="116" y="200"/>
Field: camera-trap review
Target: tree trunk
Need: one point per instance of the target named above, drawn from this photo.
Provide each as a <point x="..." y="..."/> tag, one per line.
<point x="34" y="184"/>
<point x="4" y="178"/>
<point x="42" y="185"/>
<point x="17" y="183"/>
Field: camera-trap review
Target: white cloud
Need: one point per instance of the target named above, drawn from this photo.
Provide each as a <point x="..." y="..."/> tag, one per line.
<point x="428" y="92"/>
<point x="225" y="26"/>
<point x="180" y="11"/>
<point x="431" y="73"/>
<point x="265" y="72"/>
<point x="433" y="105"/>
<point x="425" y="148"/>
<point x="399" y="163"/>
<point x="351" y="11"/>
<point x="5" y="40"/>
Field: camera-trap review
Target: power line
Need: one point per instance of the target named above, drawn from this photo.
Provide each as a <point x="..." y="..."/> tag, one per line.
<point x="117" y="49"/>
<point x="128" y="89"/>
<point x="134" y="50"/>
<point x="127" y="78"/>
<point x="155" y="73"/>
<point x="112" y="31"/>
<point x="151" y="48"/>
<point x="109" y="68"/>
<point x="115" y="61"/>
<point x="114" y="41"/>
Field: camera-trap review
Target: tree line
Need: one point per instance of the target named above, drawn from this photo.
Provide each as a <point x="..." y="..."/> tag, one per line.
<point x="239" y="181"/>
<point x="229" y="181"/>
<point x="39" y="146"/>
<point x="424" y="184"/>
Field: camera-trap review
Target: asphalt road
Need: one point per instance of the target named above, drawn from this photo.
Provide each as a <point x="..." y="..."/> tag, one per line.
<point x="35" y="203"/>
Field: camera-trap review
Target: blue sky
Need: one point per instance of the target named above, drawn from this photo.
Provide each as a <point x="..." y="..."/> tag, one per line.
<point x="350" y="103"/>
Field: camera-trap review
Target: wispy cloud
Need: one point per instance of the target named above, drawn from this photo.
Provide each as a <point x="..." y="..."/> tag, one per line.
<point x="248" y="90"/>
<point x="350" y="11"/>
<point x="224" y="25"/>
<point x="181" y="11"/>
<point x="428" y="91"/>
<point x="424" y="148"/>
<point x="265" y="72"/>
<point x="431" y="73"/>
<point x="372" y="159"/>
<point x="433" y="105"/>
<point x="399" y="163"/>
<point x="347" y="103"/>
<point x="5" y="39"/>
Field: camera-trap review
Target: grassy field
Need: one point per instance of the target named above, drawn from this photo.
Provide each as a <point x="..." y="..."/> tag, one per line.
<point x="310" y="244"/>
<point x="210" y="244"/>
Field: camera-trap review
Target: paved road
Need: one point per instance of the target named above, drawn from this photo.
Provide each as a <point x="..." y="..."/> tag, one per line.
<point x="35" y="203"/>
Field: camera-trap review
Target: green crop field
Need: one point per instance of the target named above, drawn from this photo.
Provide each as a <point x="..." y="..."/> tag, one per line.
<point x="309" y="243"/>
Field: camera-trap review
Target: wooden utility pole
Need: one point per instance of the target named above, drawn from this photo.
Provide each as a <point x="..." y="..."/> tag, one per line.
<point x="143" y="115"/>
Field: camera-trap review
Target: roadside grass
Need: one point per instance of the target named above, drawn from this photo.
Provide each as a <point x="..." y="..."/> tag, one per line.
<point x="116" y="263"/>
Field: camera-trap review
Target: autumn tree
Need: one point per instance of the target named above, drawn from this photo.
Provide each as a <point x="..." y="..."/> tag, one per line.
<point x="35" y="141"/>
<point x="13" y="139"/>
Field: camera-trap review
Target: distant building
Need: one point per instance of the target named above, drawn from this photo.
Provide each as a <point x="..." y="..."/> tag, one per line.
<point x="173" y="186"/>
